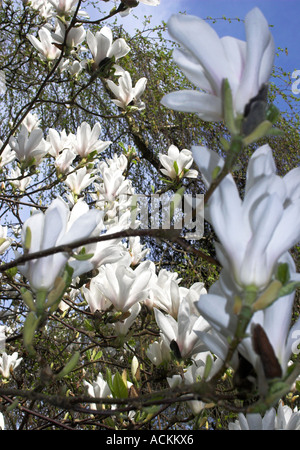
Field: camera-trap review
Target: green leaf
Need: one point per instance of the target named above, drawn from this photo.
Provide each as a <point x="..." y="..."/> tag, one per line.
<point x="30" y="327"/>
<point x="175" y="165"/>
<point x="83" y="257"/>
<point x="119" y="389"/>
<point x="288" y="288"/>
<point x="28" y="235"/>
<point x="71" y="364"/>
<point x="109" y="379"/>
<point x="208" y="366"/>
<point x="283" y="273"/>
<point x="228" y="107"/>
<point x="28" y="299"/>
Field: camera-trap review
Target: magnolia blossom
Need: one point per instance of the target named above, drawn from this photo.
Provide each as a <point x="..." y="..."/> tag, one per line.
<point x="102" y="46"/>
<point x="124" y="286"/>
<point x="168" y="296"/>
<point x="4" y="240"/>
<point x="64" y="7"/>
<point x="206" y="62"/>
<point x="183" y="331"/>
<point x="52" y="228"/>
<point x="100" y="389"/>
<point x="254" y="232"/>
<point x="73" y="67"/>
<point x="18" y="180"/>
<point x="64" y="160"/>
<point x="8" y="155"/>
<point x="217" y="307"/>
<point x="136" y="250"/>
<point x="29" y="147"/>
<point x="3" y="331"/>
<point x="97" y="389"/>
<point x="283" y="419"/>
<point x="8" y="363"/>
<point x="94" y="297"/>
<point x="114" y="184"/>
<point x="194" y="373"/>
<point x="119" y="162"/>
<point x="78" y="180"/>
<point x="87" y="140"/>
<point x="75" y="36"/>
<point x="177" y="163"/>
<point x="125" y="93"/>
<point x="59" y="141"/>
<point x="31" y="121"/>
<point x="45" y="46"/>
<point x="122" y="326"/>
<point x="43" y="7"/>
<point x="160" y="286"/>
<point x="159" y="351"/>
<point x="133" y="3"/>
<point x="2" y="424"/>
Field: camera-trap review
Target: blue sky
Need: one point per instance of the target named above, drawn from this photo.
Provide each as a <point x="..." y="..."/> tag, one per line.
<point x="283" y="15"/>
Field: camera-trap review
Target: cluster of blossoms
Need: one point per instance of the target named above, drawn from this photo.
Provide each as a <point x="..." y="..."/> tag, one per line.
<point x="256" y="232"/>
<point x="283" y="419"/>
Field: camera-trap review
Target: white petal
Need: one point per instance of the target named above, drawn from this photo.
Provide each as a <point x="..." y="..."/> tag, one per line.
<point x="208" y="107"/>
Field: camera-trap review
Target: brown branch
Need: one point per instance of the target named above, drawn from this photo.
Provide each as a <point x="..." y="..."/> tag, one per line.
<point x="68" y="248"/>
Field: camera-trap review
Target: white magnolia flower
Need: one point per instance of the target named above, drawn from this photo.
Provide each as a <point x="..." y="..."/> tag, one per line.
<point x="122" y="326"/>
<point x="217" y="307"/>
<point x="97" y="389"/>
<point x="159" y="351"/>
<point x="254" y="232"/>
<point x="54" y="227"/>
<point x="124" y="286"/>
<point x="117" y="162"/>
<point x="19" y="181"/>
<point x="194" y="373"/>
<point x="134" y="3"/>
<point x="100" y="389"/>
<point x="78" y="180"/>
<point x="48" y="51"/>
<point x="177" y="163"/>
<point x="29" y="147"/>
<point x="4" y="240"/>
<point x="94" y="297"/>
<point x="75" y="67"/>
<point x="75" y="36"/>
<point x="8" y="155"/>
<point x="168" y="297"/>
<point x="284" y="419"/>
<point x="87" y="140"/>
<point x="8" y="363"/>
<point x="64" y="160"/>
<point x="102" y="46"/>
<point x="2" y="424"/>
<point x="59" y="141"/>
<point x="125" y="93"/>
<point x="64" y="7"/>
<point x="208" y="61"/>
<point x="43" y="7"/>
<point x="114" y="185"/>
<point x="31" y="121"/>
<point x="136" y="250"/>
<point x="183" y="330"/>
<point x="3" y="331"/>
